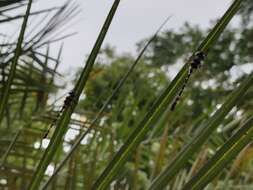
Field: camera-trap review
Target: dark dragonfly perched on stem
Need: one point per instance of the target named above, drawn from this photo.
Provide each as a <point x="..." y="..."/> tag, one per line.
<point x="195" y="63"/>
<point x="67" y="102"/>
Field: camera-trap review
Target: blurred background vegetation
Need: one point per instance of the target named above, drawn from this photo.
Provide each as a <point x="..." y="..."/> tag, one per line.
<point x="36" y="98"/>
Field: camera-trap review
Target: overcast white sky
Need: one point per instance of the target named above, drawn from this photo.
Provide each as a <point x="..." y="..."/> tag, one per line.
<point x="135" y="20"/>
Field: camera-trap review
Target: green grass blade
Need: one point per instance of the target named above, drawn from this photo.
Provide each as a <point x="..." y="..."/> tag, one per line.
<point x="161" y="153"/>
<point x="61" y="125"/>
<point x="18" y="52"/>
<point x="223" y="156"/>
<point x="160" y="105"/>
<point x="173" y="168"/>
<point x="12" y="144"/>
<point x="107" y="102"/>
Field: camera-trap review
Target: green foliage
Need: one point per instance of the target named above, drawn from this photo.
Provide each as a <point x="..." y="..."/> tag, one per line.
<point x="122" y="134"/>
<point x="137" y="94"/>
<point x="247" y="11"/>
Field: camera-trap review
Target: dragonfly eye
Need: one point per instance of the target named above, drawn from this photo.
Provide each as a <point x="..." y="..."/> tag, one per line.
<point x="69" y="99"/>
<point x="197" y="59"/>
<point x="200" y="55"/>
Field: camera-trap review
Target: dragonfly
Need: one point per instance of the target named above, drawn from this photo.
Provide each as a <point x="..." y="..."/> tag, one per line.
<point x="195" y="63"/>
<point x="67" y="102"/>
